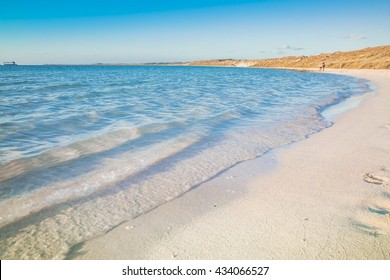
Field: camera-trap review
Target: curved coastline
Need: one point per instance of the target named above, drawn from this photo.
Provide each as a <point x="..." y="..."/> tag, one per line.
<point x="325" y="197"/>
<point x="226" y="188"/>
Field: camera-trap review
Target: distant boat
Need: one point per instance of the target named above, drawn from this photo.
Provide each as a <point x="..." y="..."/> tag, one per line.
<point x="12" y="63"/>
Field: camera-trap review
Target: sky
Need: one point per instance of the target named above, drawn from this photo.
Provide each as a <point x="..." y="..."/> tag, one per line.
<point x="127" y="31"/>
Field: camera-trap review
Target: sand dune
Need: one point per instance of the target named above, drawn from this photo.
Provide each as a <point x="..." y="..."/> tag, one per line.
<point x="369" y="58"/>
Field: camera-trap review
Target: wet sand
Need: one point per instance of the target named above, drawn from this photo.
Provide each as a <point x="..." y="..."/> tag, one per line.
<point x="326" y="197"/>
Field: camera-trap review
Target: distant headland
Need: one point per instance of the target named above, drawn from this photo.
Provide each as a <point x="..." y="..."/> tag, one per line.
<point x="368" y="58"/>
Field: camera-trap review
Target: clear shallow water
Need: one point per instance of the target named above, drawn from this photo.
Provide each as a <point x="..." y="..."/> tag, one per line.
<point x="83" y="149"/>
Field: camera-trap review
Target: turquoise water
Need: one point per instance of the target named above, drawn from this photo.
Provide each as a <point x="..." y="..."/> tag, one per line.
<point x="83" y="149"/>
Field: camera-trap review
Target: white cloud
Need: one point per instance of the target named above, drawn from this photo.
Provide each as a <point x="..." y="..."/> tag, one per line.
<point x="355" y="37"/>
<point x="288" y="47"/>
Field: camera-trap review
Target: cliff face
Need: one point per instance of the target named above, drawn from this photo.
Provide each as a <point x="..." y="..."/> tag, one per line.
<point x="369" y="58"/>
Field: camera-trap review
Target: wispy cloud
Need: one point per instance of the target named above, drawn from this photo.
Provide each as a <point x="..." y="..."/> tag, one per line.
<point x="355" y="37"/>
<point x="288" y="47"/>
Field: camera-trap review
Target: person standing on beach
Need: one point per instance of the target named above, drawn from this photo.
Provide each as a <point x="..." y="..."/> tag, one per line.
<point x="323" y="66"/>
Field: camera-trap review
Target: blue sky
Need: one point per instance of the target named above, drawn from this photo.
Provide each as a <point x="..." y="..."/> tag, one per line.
<point x="77" y="31"/>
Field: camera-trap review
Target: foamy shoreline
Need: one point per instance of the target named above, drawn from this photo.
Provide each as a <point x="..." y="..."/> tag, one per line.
<point x="326" y="197"/>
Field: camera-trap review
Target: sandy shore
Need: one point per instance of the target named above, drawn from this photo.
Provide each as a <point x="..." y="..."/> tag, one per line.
<point x="327" y="197"/>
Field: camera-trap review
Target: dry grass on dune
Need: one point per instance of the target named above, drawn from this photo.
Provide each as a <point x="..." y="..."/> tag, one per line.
<point x="369" y="58"/>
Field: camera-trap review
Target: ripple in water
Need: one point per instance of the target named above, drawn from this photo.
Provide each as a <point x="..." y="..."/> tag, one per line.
<point x="83" y="149"/>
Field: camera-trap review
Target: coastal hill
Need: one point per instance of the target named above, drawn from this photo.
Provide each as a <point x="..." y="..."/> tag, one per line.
<point x="368" y="58"/>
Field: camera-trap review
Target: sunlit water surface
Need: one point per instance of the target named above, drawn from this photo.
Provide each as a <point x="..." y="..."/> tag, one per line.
<point x="83" y="149"/>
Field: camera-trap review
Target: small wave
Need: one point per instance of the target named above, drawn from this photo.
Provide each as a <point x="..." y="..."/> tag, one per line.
<point x="75" y="150"/>
<point x="106" y="175"/>
<point x="63" y="87"/>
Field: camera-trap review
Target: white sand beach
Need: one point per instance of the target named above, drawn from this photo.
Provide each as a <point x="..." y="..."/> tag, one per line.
<point x="326" y="197"/>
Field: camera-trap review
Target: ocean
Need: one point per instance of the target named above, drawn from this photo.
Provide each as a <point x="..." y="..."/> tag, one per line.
<point x="86" y="148"/>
